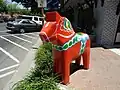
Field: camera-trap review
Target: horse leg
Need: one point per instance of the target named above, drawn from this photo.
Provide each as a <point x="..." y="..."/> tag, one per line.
<point x="66" y="70"/>
<point x="57" y="68"/>
<point x="86" y="55"/>
<point x="57" y="62"/>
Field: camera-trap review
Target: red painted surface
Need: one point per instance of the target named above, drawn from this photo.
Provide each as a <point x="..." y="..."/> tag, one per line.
<point x="62" y="59"/>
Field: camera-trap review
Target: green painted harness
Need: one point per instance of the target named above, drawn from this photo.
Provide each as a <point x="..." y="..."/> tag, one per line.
<point x="79" y="37"/>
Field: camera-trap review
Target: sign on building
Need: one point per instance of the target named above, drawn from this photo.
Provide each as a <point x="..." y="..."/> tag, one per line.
<point x="42" y="3"/>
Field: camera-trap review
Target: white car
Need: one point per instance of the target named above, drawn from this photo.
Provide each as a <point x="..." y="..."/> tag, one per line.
<point x="37" y="19"/>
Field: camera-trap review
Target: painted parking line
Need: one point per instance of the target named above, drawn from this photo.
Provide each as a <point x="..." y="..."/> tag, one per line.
<point x="21" y="34"/>
<point x="14" y="43"/>
<point x="21" y="39"/>
<point x="28" y="36"/>
<point x="34" y="34"/>
<point x="5" y="31"/>
<point x="7" y="68"/>
<point x="8" y="73"/>
<point x="115" y="50"/>
<point x="8" y="54"/>
<point x="10" y="35"/>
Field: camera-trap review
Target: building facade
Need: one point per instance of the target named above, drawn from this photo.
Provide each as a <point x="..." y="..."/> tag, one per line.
<point x="107" y="22"/>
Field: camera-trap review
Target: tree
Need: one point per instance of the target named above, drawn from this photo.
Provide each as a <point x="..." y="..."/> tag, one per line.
<point x="3" y="6"/>
<point x="13" y="8"/>
<point x="1" y="2"/>
<point x="28" y="3"/>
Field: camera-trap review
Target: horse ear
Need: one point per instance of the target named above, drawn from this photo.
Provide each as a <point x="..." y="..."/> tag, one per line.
<point x="53" y="16"/>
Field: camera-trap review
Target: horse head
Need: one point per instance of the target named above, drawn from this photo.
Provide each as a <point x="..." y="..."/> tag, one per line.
<point x="56" y="28"/>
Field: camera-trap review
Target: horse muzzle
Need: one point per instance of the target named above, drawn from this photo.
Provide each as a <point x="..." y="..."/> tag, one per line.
<point x="44" y="37"/>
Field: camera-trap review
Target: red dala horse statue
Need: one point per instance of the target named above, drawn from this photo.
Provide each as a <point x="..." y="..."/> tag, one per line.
<point x="67" y="45"/>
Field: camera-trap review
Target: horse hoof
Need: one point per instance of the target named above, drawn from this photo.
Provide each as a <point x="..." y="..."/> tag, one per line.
<point x="64" y="83"/>
<point x="86" y="68"/>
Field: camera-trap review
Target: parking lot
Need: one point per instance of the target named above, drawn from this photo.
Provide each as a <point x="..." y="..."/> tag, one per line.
<point x="13" y="49"/>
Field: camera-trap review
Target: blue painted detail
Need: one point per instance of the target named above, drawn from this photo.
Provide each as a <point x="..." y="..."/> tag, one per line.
<point x="78" y="38"/>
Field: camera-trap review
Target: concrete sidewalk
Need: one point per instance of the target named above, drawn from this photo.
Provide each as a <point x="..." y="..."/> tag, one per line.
<point x="104" y="72"/>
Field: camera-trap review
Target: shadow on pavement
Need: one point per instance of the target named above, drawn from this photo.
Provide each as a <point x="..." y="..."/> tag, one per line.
<point x="111" y="47"/>
<point x="74" y="67"/>
<point x="94" y="45"/>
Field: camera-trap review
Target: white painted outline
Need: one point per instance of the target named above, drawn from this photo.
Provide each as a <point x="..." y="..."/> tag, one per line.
<point x="7" y="68"/>
<point x="28" y="36"/>
<point x="54" y="33"/>
<point x="44" y="33"/>
<point x="35" y="34"/>
<point x="8" y="73"/>
<point x="14" y="43"/>
<point x="73" y="33"/>
<point x="47" y="23"/>
<point x="67" y="36"/>
<point x="10" y="35"/>
<point x="5" y="31"/>
<point x="18" y="34"/>
<point x="8" y="54"/>
<point x="22" y="39"/>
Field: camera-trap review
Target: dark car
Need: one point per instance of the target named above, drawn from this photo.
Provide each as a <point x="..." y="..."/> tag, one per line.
<point x="23" y="25"/>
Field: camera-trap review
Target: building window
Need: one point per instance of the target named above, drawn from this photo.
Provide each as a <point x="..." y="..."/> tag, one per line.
<point x="35" y="18"/>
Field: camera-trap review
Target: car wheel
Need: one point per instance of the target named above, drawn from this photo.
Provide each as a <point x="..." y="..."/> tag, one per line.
<point x="22" y="31"/>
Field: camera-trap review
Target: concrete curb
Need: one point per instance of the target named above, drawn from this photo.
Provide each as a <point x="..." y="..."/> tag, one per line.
<point x="64" y="87"/>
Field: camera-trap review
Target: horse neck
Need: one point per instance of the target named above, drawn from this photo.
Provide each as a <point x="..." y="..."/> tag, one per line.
<point x="61" y="40"/>
<point x="62" y="35"/>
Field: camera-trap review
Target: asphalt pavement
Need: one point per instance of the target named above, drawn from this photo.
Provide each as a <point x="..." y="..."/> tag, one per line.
<point x="13" y="50"/>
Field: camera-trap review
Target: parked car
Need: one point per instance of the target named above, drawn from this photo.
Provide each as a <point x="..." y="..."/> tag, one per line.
<point x="37" y="19"/>
<point x="1" y="19"/>
<point x="11" y="19"/>
<point x="23" y="25"/>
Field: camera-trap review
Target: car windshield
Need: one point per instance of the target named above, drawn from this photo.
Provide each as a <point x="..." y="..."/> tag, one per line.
<point x="17" y="20"/>
<point x="24" y="17"/>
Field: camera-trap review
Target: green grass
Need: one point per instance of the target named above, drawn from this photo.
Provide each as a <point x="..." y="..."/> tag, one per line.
<point x="41" y="77"/>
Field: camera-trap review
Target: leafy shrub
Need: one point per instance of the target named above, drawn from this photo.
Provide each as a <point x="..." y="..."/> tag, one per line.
<point x="44" y="54"/>
<point x="41" y="77"/>
<point x="44" y="83"/>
